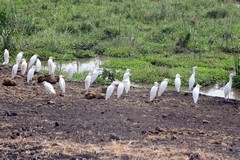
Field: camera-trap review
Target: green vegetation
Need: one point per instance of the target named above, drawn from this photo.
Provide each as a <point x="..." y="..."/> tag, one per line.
<point x="163" y="37"/>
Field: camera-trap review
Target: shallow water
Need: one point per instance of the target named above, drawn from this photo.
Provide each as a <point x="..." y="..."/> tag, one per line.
<point x="88" y="64"/>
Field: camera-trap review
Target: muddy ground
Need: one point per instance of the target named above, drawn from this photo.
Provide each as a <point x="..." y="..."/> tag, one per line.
<point x="37" y="125"/>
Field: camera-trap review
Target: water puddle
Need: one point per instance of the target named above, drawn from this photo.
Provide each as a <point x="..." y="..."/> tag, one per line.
<point x="88" y="64"/>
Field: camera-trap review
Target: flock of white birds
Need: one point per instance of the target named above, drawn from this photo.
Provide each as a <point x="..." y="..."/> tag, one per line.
<point x="34" y="65"/>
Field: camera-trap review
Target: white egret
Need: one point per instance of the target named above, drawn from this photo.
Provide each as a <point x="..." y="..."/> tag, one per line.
<point x="192" y="78"/>
<point x="23" y="67"/>
<point x="14" y="70"/>
<point x="228" y="87"/>
<point x="88" y="81"/>
<point x="70" y="71"/>
<point x="51" y="66"/>
<point x="110" y="90"/>
<point x="126" y="74"/>
<point x="19" y="57"/>
<point x="195" y="93"/>
<point x="162" y="87"/>
<point x="30" y="74"/>
<point x="127" y="85"/>
<point x="6" y="57"/>
<point x="38" y="65"/>
<point x="120" y="89"/>
<point x="95" y="74"/>
<point x="49" y="87"/>
<point x="32" y="60"/>
<point x="177" y="82"/>
<point x="62" y="83"/>
<point x="153" y="91"/>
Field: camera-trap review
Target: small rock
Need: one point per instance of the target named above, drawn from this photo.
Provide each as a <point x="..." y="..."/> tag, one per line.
<point x="194" y="156"/>
<point x="90" y="95"/>
<point x="61" y="94"/>
<point x="9" y="113"/>
<point x="174" y="137"/>
<point x="164" y="116"/>
<point x="56" y="124"/>
<point x="50" y="102"/>
<point x="9" y="82"/>
<point x="100" y="96"/>
<point x="206" y="121"/>
<point x="144" y="132"/>
<point x="114" y="137"/>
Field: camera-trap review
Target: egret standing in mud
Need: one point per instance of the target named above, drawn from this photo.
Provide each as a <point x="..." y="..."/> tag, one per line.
<point x="95" y="74"/>
<point x="70" y="71"/>
<point x="153" y="91"/>
<point x="38" y="65"/>
<point x="14" y="70"/>
<point x="49" y="87"/>
<point x="177" y="82"/>
<point x="6" y="57"/>
<point x="62" y="83"/>
<point x="162" y="87"/>
<point x="127" y="85"/>
<point x="195" y="93"/>
<point x="51" y="66"/>
<point x="23" y="67"/>
<point x="19" y="57"/>
<point x="30" y="74"/>
<point x="88" y="81"/>
<point x="192" y="78"/>
<point x="110" y="90"/>
<point x="32" y="60"/>
<point x="120" y="89"/>
<point x="228" y="87"/>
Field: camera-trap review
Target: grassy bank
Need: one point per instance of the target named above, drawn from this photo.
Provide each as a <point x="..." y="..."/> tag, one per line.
<point x="166" y="36"/>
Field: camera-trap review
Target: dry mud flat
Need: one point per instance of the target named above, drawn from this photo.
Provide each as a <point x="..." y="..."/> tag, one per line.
<point x="36" y="125"/>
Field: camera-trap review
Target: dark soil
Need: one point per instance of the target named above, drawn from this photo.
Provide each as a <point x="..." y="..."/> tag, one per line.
<point x="37" y="125"/>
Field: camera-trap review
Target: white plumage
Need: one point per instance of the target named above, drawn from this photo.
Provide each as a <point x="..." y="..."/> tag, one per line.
<point x="177" y="82"/>
<point x="49" y="87"/>
<point x="19" y="57"/>
<point x="162" y="87"/>
<point x="195" y="93"/>
<point x="192" y="78"/>
<point x="153" y="91"/>
<point x="30" y="74"/>
<point x="127" y="74"/>
<point x="228" y="87"/>
<point x="23" y="67"/>
<point x="51" y="66"/>
<point x="32" y="60"/>
<point x="95" y="75"/>
<point x="88" y="81"/>
<point x="120" y="89"/>
<point x="70" y="71"/>
<point x="110" y="90"/>
<point x="14" y="70"/>
<point x="6" y="57"/>
<point x="62" y="83"/>
<point x="38" y="65"/>
<point x="127" y="85"/>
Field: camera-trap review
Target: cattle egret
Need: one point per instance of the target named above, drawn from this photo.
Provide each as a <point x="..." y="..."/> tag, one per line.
<point x="120" y="89"/>
<point x="70" y="71"/>
<point x="110" y="90"/>
<point x="38" y="65"/>
<point x="153" y="91"/>
<point x="14" y="70"/>
<point x="126" y="74"/>
<point x="228" y="87"/>
<point x="88" y="81"/>
<point x="32" y="60"/>
<point x="30" y="74"/>
<point x="192" y="78"/>
<point x="162" y="87"/>
<point x="127" y="85"/>
<point x="49" y="87"/>
<point x="95" y="74"/>
<point x="62" y="83"/>
<point x="6" y="57"/>
<point x="23" y="67"/>
<point x="195" y="93"/>
<point x="51" y="66"/>
<point x="19" y="57"/>
<point x="177" y="82"/>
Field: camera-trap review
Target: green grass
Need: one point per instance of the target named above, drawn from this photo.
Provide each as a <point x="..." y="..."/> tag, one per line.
<point x="166" y="36"/>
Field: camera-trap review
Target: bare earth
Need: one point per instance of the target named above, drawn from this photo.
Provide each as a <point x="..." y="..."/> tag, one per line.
<point x="37" y="125"/>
